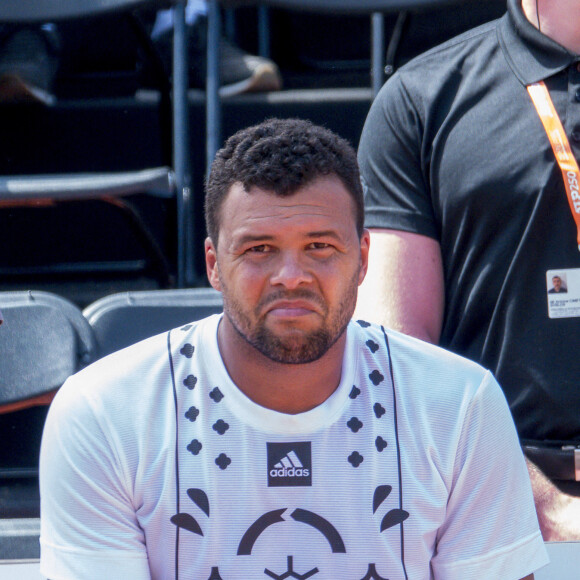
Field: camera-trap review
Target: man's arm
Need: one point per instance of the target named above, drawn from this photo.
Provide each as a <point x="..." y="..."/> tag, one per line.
<point x="404" y="287"/>
<point x="558" y="512"/>
<point x="404" y="290"/>
<point x="89" y="525"/>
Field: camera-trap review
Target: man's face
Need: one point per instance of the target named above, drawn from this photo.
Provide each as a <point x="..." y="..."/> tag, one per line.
<point x="289" y="267"/>
<point x="557" y="282"/>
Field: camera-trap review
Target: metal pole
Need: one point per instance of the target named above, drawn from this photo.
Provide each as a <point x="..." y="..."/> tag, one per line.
<point x="181" y="162"/>
<point x="377" y="51"/>
<point x="212" y="101"/>
<point x="264" y="31"/>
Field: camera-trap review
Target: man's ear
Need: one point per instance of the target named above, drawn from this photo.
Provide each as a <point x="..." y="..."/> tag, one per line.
<point x="365" y="243"/>
<point x="211" y="264"/>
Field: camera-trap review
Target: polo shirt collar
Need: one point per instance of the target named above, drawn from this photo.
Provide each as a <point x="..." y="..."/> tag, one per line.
<point x="531" y="55"/>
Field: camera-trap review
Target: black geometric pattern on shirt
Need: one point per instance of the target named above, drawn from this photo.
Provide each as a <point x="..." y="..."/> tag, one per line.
<point x="186" y="521"/>
<point x="215" y="574"/>
<point x="380" y="444"/>
<point x="382" y="492"/>
<point x="216" y="395"/>
<point x="355" y="458"/>
<point x="354" y="424"/>
<point x="200" y="499"/>
<point x="290" y="572"/>
<point x="190" y="381"/>
<point x="192" y="414"/>
<point x="392" y="517"/>
<point x="187" y="350"/>
<point x="195" y="447"/>
<point x="220" y="426"/>
<point x="307" y="517"/>
<point x="372" y="345"/>
<point x="376" y="377"/>
<point x="372" y="574"/>
<point x="363" y="323"/>
<point x="222" y="461"/>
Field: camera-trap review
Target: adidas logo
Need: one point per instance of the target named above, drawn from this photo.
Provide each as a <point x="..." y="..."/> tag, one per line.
<point x="289" y="466"/>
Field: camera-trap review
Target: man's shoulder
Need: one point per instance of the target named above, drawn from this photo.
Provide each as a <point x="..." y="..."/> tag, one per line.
<point x="469" y="42"/>
<point x="137" y="364"/>
<point x="423" y="356"/>
<point x="428" y="380"/>
<point x="435" y="77"/>
<point x="442" y="68"/>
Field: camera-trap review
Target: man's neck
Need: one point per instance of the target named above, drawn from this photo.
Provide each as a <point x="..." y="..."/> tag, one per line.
<point x="286" y="388"/>
<point x="558" y="19"/>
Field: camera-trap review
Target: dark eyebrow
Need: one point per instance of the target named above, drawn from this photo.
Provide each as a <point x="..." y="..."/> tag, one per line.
<point x="324" y="234"/>
<point x="247" y="239"/>
<point x="250" y="238"/>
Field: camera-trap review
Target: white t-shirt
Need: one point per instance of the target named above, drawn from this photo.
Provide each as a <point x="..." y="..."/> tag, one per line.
<point x="154" y="465"/>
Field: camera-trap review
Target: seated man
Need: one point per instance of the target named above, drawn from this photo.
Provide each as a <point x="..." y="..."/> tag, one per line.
<point x="282" y="439"/>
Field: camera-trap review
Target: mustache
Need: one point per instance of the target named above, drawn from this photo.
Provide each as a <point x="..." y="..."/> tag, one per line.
<point x="298" y="294"/>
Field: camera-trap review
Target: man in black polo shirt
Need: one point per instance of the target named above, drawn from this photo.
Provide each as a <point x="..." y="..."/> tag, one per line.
<point x="471" y="216"/>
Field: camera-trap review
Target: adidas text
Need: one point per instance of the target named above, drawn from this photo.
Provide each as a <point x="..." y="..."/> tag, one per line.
<point x="290" y="472"/>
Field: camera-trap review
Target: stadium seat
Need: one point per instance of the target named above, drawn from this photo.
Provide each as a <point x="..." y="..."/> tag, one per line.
<point x="125" y="318"/>
<point x="170" y="181"/>
<point x="382" y="52"/>
<point x="43" y="340"/>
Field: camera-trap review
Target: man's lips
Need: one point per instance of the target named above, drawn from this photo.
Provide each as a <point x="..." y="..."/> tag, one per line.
<point x="291" y="308"/>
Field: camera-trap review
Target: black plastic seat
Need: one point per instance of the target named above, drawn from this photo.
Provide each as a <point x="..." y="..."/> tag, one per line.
<point x="122" y="319"/>
<point x="43" y="340"/>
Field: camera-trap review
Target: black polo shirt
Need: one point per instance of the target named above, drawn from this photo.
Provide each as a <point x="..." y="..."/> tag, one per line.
<point x="453" y="148"/>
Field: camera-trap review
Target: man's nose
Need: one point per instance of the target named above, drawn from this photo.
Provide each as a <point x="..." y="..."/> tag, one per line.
<point x="291" y="270"/>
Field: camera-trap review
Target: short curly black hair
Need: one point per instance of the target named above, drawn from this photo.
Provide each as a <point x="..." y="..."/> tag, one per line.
<point x="281" y="156"/>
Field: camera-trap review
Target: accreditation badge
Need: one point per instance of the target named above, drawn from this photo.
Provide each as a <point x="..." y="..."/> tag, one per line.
<point x="563" y="291"/>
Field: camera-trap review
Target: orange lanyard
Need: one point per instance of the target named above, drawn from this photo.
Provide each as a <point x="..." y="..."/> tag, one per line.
<point x="561" y="147"/>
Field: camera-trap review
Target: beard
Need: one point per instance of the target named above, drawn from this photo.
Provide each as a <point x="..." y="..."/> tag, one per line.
<point x="295" y="346"/>
<point x="299" y="349"/>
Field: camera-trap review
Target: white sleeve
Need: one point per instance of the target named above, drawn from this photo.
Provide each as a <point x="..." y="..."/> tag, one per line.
<point x="89" y="527"/>
<point x="491" y="529"/>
